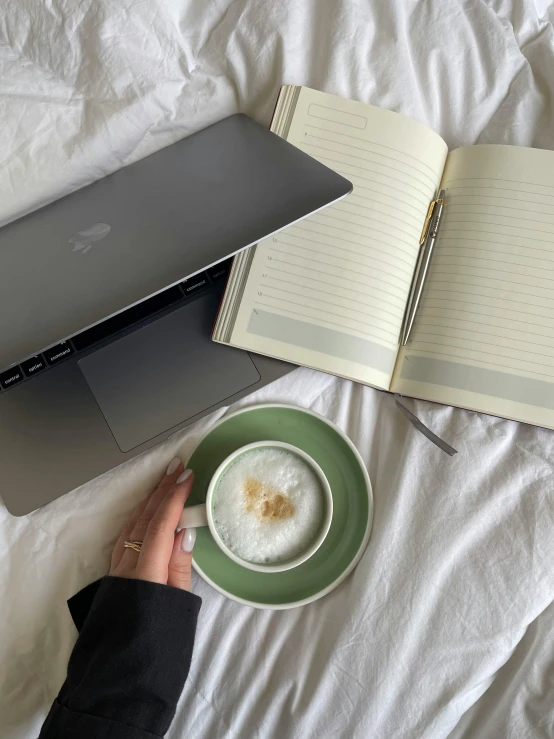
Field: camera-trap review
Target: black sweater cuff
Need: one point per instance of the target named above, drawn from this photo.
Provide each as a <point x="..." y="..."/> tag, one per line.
<point x="79" y="604"/>
<point x="130" y="662"/>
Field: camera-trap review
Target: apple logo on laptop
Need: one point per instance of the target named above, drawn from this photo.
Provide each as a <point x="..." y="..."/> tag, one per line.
<point x="83" y="240"/>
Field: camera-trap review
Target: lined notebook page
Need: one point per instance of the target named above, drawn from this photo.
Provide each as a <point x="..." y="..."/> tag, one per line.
<point x="331" y="291"/>
<point x="486" y="323"/>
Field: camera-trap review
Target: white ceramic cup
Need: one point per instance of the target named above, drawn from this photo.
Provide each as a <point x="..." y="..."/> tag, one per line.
<point x="202" y="515"/>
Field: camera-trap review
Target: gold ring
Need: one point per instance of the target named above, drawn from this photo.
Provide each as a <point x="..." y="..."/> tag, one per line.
<point x="136" y="545"/>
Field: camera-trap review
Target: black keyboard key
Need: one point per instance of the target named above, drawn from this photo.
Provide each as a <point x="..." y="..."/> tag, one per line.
<point x="11" y="377"/>
<point x="221" y="270"/>
<point x="194" y="284"/>
<point x="59" y="352"/>
<point x="33" y="365"/>
<point x="126" y="318"/>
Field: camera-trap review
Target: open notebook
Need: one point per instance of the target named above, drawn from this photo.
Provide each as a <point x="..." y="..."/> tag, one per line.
<point x="331" y="292"/>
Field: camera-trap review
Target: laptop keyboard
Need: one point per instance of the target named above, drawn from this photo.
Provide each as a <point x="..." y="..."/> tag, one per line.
<point x="173" y="296"/>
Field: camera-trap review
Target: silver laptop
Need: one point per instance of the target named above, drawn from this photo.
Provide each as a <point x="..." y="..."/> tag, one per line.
<point x="108" y="296"/>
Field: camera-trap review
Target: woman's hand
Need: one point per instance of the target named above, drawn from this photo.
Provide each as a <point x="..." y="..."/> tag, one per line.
<point x="165" y="557"/>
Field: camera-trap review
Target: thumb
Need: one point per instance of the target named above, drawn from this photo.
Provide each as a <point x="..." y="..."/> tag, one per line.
<point x="180" y="563"/>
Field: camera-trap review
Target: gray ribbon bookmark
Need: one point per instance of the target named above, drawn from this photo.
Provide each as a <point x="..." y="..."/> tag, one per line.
<point x="414" y="420"/>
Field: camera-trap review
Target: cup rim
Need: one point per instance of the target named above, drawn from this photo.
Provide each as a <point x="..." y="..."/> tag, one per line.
<point x="327" y="518"/>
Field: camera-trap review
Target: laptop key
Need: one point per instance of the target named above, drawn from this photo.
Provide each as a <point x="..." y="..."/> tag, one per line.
<point x="219" y="271"/>
<point x="33" y="365"/>
<point x="58" y="352"/>
<point x="11" y="377"/>
<point x="194" y="284"/>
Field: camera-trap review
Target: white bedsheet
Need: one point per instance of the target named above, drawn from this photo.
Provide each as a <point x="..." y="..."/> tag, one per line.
<point x="445" y="627"/>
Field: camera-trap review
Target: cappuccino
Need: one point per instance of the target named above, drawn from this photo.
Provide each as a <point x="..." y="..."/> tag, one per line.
<point x="268" y="506"/>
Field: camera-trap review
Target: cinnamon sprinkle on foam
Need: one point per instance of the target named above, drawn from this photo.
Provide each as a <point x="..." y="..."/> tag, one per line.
<point x="268" y="503"/>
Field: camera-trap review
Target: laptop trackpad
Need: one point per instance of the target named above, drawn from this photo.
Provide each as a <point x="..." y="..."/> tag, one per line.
<point x="165" y="373"/>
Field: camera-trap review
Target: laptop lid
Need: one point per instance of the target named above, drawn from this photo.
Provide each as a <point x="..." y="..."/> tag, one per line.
<point x="133" y="233"/>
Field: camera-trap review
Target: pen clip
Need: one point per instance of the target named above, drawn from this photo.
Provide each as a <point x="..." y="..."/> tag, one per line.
<point x="428" y="218"/>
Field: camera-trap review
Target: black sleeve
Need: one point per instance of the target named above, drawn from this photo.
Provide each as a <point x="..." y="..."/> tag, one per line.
<point x="129" y="664"/>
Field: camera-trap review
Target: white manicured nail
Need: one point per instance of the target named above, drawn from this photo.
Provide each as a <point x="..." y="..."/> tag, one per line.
<point x="173" y="466"/>
<point x="187" y="542"/>
<point x="184" y="476"/>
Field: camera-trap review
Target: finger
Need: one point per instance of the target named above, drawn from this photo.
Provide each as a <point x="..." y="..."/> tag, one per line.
<point x="180" y="563"/>
<point x="138" y="532"/>
<point x="153" y="561"/>
<point x="126" y="532"/>
<point x="140" y="525"/>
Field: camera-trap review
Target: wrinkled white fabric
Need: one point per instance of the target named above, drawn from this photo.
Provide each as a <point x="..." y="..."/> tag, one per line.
<point x="445" y="627"/>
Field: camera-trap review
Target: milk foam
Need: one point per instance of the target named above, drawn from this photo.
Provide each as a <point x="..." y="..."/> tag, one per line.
<point x="268" y="506"/>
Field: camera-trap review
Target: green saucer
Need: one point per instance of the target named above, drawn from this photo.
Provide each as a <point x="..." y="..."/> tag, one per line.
<point x="352" y="506"/>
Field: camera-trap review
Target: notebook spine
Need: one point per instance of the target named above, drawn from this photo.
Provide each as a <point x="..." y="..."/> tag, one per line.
<point x="243" y="261"/>
<point x="284" y="112"/>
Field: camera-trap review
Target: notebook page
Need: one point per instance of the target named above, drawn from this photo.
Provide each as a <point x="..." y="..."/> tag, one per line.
<point x="484" y="335"/>
<point x="330" y="292"/>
